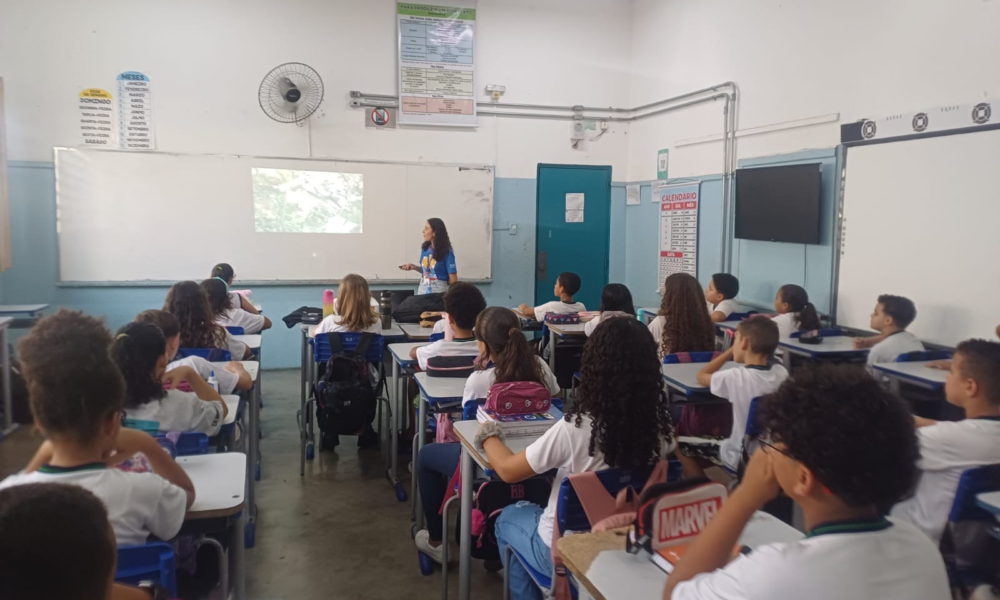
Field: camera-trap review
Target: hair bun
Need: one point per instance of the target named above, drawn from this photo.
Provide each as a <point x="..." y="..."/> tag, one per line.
<point x="513" y="331"/>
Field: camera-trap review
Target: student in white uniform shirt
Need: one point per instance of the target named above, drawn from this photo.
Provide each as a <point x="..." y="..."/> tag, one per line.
<point x="189" y="304"/>
<point x="948" y="448"/>
<point x="463" y="303"/>
<point x="683" y="325"/>
<point x="567" y="285"/>
<point x="620" y="419"/>
<point x="226" y="316"/>
<point x="232" y="377"/>
<point x="76" y="396"/>
<point x="353" y="310"/>
<point x="224" y="273"/>
<point x="840" y="447"/>
<point x="795" y="311"/>
<point x="140" y="350"/>
<point x="755" y="342"/>
<point x="892" y="315"/>
<point x="616" y="301"/>
<point x="721" y="291"/>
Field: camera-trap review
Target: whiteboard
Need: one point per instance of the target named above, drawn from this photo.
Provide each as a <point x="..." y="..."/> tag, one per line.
<point x="920" y="220"/>
<point x="158" y="217"/>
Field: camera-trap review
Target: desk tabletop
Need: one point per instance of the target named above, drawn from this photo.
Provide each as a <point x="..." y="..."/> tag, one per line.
<point x="252" y="340"/>
<point x="684" y="376"/>
<point x="730" y="325"/>
<point x="441" y="390"/>
<point x="257" y="307"/>
<point x="915" y="371"/>
<point x="252" y="367"/>
<point x="838" y="344"/>
<point x="415" y="333"/>
<point x="466" y="431"/>
<point x="564" y="330"/>
<point x="393" y="332"/>
<point x="5" y="321"/>
<point x="21" y="309"/>
<point x="990" y="501"/>
<point x="599" y="560"/>
<point x="233" y="405"/>
<point x="219" y="483"/>
<point x="401" y="352"/>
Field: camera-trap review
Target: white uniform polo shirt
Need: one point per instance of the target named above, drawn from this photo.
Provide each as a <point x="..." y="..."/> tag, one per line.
<point x="453" y="347"/>
<point x="897" y="343"/>
<point x="740" y="386"/>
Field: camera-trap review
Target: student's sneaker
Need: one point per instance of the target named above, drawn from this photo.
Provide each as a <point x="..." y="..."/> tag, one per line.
<point x="423" y="542"/>
<point x="368" y="439"/>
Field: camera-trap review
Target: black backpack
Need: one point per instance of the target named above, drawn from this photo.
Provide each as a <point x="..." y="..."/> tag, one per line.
<point x="410" y="309"/>
<point x="346" y="402"/>
<point x="491" y="499"/>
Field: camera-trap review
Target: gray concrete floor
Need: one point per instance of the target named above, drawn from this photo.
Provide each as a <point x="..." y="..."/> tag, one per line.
<point x="337" y="533"/>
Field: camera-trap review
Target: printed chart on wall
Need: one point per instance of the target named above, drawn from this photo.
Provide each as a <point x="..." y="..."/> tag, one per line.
<point x="436" y="65"/>
<point x="135" y="112"/>
<point x="97" y="117"/>
<point x="678" y="229"/>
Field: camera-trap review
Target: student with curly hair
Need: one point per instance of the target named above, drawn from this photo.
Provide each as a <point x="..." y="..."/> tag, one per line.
<point x="140" y="350"/>
<point x="841" y="447"/>
<point x="683" y="324"/>
<point x="189" y="304"/>
<point x="76" y="395"/>
<point x="620" y="419"/>
<point x="227" y="316"/>
<point x="437" y="266"/>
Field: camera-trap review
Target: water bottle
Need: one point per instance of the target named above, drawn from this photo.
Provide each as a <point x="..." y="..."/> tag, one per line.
<point x="212" y="381"/>
<point x="385" y="309"/>
<point x="327" y="303"/>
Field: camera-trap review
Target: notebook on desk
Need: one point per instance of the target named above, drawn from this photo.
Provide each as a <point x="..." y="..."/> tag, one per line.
<point x="667" y="558"/>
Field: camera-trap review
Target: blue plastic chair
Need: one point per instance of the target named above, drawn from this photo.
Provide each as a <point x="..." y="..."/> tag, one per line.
<point x="235" y="330"/>
<point x="741" y="316"/>
<point x="967" y="533"/>
<point x="831" y="332"/>
<point x="154" y="561"/>
<point x="209" y="354"/>
<point x="437" y="337"/>
<point x="190" y="443"/>
<point x="918" y="355"/>
<point x="689" y="357"/>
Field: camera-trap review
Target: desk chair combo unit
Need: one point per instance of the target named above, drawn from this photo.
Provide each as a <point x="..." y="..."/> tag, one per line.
<point x="12" y="316"/>
<point x="836" y="346"/>
<point x="971" y="540"/>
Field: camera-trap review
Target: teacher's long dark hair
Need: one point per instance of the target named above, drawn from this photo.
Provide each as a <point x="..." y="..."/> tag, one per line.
<point x="442" y="243"/>
<point x="621" y="390"/>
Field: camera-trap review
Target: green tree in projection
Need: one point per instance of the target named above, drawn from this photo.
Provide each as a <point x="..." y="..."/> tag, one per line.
<point x="290" y="201"/>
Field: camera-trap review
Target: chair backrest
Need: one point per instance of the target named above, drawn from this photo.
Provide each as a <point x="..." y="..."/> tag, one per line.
<point x="728" y="336"/>
<point x="830" y="332"/>
<point x="973" y="482"/>
<point x="235" y="330"/>
<point x="189" y="443"/>
<point x="322" y="352"/>
<point x="921" y="355"/>
<point x="437" y="337"/>
<point x="739" y="316"/>
<point x="209" y="354"/>
<point x="689" y="357"/>
<point x="570" y="515"/>
<point x="153" y="561"/>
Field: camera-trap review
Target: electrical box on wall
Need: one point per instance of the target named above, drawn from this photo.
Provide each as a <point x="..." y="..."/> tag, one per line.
<point x="576" y="134"/>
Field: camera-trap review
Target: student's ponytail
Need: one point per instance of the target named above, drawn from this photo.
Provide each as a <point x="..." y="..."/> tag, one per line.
<point x="513" y="360"/>
<point x="798" y="302"/>
<point x="808" y="318"/>
<point x="224" y="272"/>
<point x="136" y="350"/>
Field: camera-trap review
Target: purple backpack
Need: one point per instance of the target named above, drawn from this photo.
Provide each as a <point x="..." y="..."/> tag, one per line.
<point x="518" y="398"/>
<point x="562" y="319"/>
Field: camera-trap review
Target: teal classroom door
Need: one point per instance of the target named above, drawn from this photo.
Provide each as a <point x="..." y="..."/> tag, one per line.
<point x="563" y="241"/>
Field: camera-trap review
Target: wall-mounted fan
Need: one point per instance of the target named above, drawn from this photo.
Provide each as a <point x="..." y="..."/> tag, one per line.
<point x="290" y="92"/>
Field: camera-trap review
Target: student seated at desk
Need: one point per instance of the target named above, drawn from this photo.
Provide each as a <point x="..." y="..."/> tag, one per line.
<point x="948" y="448"/>
<point x="567" y="285"/>
<point x="795" y="311"/>
<point x="683" y="325"/>
<point x="224" y="273"/>
<point x="840" y="447"/>
<point x="510" y="358"/>
<point x="755" y="342"/>
<point x="720" y="293"/>
<point x="189" y="304"/>
<point x="140" y="350"/>
<point x="225" y="315"/>
<point x="892" y="315"/>
<point x="463" y="302"/>
<point x="56" y="542"/>
<point x="353" y="312"/>
<point x="77" y="397"/>
<point x="620" y="419"/>
<point x="231" y="378"/>
<point x="616" y="301"/>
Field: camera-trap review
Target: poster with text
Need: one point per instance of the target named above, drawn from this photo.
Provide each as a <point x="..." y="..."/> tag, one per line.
<point x="97" y="118"/>
<point x="135" y="112"/>
<point x="678" y="229"/>
<point x="437" y="84"/>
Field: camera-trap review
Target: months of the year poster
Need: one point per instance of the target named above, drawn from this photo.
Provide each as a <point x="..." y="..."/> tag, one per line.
<point x="678" y="229"/>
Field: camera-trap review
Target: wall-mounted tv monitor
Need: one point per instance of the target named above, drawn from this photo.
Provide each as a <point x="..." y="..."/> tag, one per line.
<point x="778" y="204"/>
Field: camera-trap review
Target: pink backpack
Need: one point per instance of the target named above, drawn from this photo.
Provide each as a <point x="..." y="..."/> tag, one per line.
<point x="518" y="398"/>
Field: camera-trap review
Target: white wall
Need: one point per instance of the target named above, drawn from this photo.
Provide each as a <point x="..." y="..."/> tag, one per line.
<point x="795" y="59"/>
<point x="206" y="61"/>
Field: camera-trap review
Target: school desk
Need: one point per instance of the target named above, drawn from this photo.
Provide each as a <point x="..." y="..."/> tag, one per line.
<point x="683" y="377"/>
<point x="915" y="373"/>
<point x="440" y="392"/>
<point x="258" y="308"/>
<point x="990" y="501"/>
<point x="402" y="370"/>
<point x="8" y="399"/>
<point x="466" y="432"/>
<point x="646" y="315"/>
<point x="730" y="325"/>
<point x="24" y="315"/>
<point x="252" y="444"/>
<point x="219" y="486"/>
<point x="601" y="565"/>
<point x="563" y="332"/>
<point x="415" y="333"/>
<point x="834" y="347"/>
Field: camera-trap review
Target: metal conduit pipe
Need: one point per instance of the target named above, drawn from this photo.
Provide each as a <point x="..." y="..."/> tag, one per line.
<point x="603" y="118"/>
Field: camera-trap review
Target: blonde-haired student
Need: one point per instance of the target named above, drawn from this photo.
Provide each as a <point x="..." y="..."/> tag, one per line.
<point x="353" y="310"/>
<point x="76" y="394"/>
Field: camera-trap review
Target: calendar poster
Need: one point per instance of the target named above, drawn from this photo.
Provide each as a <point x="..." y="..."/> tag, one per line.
<point x="678" y="229"/>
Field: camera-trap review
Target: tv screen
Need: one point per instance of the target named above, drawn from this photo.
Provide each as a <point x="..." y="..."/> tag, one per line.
<point x="778" y="204"/>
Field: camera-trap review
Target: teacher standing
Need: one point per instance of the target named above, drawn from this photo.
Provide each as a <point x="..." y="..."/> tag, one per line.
<point x="437" y="260"/>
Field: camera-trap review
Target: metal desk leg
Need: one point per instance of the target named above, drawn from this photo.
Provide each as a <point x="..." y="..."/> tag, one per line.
<point x="395" y="418"/>
<point x="302" y="402"/>
<point x="787" y="359"/>
<point x="237" y="563"/>
<point x="8" y="404"/>
<point x="552" y="350"/>
<point x="253" y="445"/>
<point x="465" y="539"/>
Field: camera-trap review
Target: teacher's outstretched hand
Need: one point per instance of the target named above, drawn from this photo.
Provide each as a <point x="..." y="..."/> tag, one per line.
<point x="437" y="260"/>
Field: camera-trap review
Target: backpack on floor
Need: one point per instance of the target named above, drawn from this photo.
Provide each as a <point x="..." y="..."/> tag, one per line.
<point x="493" y="497"/>
<point x="345" y="398"/>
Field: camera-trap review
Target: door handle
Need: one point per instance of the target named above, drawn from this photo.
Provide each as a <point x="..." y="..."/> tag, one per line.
<point x="542" y="266"/>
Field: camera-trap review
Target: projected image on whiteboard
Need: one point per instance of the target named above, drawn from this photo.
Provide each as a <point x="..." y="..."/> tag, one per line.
<point x="292" y="201"/>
